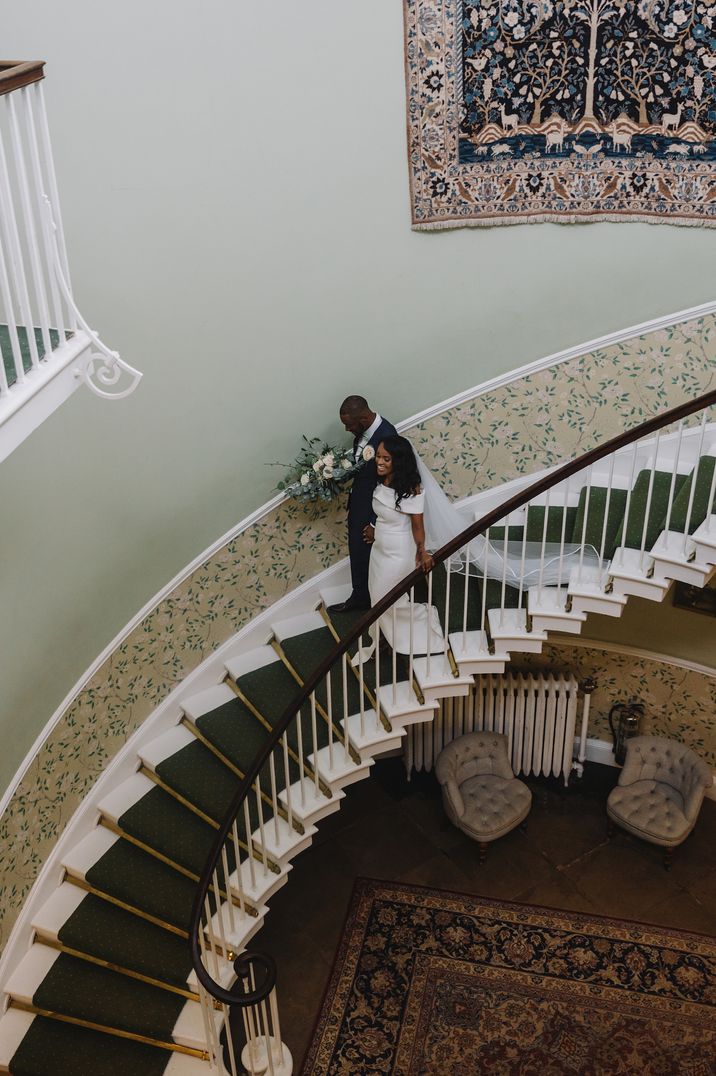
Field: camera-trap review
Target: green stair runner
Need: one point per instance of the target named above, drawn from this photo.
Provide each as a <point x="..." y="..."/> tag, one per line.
<point x="23" y="340"/>
<point x="137" y="915"/>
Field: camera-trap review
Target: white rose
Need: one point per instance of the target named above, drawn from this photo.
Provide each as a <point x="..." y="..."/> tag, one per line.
<point x="317" y="465"/>
<point x="328" y="460"/>
<point x="305" y="479"/>
<point x="346" y="464"/>
<point x="368" y="453"/>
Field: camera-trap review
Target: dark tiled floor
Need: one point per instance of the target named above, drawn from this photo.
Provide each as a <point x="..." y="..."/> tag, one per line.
<point x="394" y="829"/>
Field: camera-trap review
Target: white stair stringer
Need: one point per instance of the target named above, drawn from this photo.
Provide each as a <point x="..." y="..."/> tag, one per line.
<point x="675" y="556"/>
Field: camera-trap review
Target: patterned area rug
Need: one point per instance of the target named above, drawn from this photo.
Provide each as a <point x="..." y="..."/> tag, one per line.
<point x="563" y="110"/>
<point x="428" y="983"/>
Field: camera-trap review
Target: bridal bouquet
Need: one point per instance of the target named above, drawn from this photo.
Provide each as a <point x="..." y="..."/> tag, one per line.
<point x="320" y="472"/>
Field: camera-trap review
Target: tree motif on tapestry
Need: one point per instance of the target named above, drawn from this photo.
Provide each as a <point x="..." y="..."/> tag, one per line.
<point x="565" y="110"/>
<point x="622" y="68"/>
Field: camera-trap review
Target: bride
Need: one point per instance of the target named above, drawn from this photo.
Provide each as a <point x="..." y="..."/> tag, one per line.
<point x="398" y="541"/>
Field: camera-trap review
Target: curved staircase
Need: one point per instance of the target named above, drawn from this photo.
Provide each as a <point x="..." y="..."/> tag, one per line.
<point x="107" y="985"/>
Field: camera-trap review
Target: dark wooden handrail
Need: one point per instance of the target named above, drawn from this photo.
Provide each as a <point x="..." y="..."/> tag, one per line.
<point x="562" y="473"/>
<point x="17" y="73"/>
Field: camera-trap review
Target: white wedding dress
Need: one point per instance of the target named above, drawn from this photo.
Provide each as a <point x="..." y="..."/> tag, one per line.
<point x="392" y="558"/>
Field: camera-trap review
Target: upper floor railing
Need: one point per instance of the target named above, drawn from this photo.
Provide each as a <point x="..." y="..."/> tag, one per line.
<point x="41" y="329"/>
<point x="629" y="513"/>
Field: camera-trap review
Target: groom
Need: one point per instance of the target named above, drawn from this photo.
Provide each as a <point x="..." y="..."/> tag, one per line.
<point x="368" y="430"/>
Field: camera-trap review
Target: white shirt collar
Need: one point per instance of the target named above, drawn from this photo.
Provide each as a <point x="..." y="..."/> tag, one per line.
<point x="367" y="434"/>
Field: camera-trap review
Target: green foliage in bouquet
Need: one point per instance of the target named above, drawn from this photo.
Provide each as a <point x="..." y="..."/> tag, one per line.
<point x="320" y="471"/>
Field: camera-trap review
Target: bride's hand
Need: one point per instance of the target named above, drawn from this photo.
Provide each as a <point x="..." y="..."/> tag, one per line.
<point x="424" y="561"/>
<point x="369" y="533"/>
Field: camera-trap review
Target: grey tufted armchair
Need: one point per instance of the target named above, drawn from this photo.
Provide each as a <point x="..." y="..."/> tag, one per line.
<point x="660" y="792"/>
<point x="481" y="795"/>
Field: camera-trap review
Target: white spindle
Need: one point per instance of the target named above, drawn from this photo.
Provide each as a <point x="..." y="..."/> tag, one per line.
<point x="314" y="737"/>
<point x="466" y="597"/>
<point x="563" y="532"/>
<point x="12" y="328"/>
<point x="674" y="472"/>
<point x="411" y="655"/>
<point x="44" y="130"/>
<point x="9" y="219"/>
<point x="237" y="857"/>
<point x="607" y="503"/>
<point x="209" y="1026"/>
<point x="26" y="111"/>
<point x="711" y="503"/>
<point x="274" y="797"/>
<point x="212" y="938"/>
<point x="692" y="490"/>
<point x="446" y="632"/>
<point x="521" y="585"/>
<point x="247" y="828"/>
<point x="220" y="913"/>
<point x="344" y="660"/>
<point x="262" y="833"/>
<point x="29" y="227"/>
<point x="649" y="494"/>
<point x="504" y="571"/>
<point x="287" y="781"/>
<point x="429" y="621"/>
<point x="543" y="548"/>
<point x="329" y="690"/>
<point x="229" y="901"/>
<point x="393" y="668"/>
<point x="360" y="682"/>
<point x="630" y="487"/>
<point x="229" y="1038"/>
<point x="301" y="764"/>
<point x="587" y="501"/>
<point x="483" y="611"/>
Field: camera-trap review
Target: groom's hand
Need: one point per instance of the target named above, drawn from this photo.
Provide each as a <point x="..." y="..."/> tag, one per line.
<point x="369" y="533"/>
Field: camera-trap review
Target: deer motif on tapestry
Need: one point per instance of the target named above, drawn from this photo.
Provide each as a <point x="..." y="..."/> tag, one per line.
<point x="621" y="140"/>
<point x="555" y="139"/>
<point x="509" y="120"/>
<point x="671" y="119"/>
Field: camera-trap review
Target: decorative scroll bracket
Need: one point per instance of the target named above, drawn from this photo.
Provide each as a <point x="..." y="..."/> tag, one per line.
<point x="102" y="369"/>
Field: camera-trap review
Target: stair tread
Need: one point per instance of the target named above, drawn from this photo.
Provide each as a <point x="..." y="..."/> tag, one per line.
<point x="101" y="929"/>
<point x="166" y="826"/>
<point x="202" y="778"/>
<point x="138" y="879"/>
<point x="74" y="987"/>
<point x="53" y="1048"/>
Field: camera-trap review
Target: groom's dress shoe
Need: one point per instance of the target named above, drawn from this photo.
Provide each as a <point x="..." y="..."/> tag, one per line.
<point x="349" y="606"/>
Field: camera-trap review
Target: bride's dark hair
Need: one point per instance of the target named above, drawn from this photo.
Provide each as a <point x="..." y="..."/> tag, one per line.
<point x="406" y="477"/>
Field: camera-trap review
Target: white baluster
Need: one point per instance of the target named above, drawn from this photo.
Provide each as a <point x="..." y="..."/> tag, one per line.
<point x="543" y="548"/>
<point x="29" y="228"/>
<point x="394" y="665"/>
<point x="446" y="631"/>
<point x="649" y="493"/>
<point x="429" y="624"/>
<point x="274" y="797"/>
<point x="229" y="901"/>
<point x="711" y="502"/>
<point x="237" y="857"/>
<point x="19" y="280"/>
<point x="212" y="939"/>
<point x="247" y="828"/>
<point x="483" y="611"/>
<point x="344" y="661"/>
<point x="630" y="487"/>
<point x="220" y="915"/>
<point x="466" y="597"/>
<point x="329" y="690"/>
<point x="12" y="328"/>
<point x="587" y="501"/>
<point x="314" y="736"/>
<point x="25" y="110"/>
<point x="607" y="503"/>
<point x="692" y="490"/>
<point x="301" y="764"/>
<point x="411" y="641"/>
<point x="504" y="571"/>
<point x="44" y="132"/>
<point x="674" y="472"/>
<point x="287" y="781"/>
<point x="229" y="1039"/>
<point x="262" y="834"/>
<point x="563" y="532"/>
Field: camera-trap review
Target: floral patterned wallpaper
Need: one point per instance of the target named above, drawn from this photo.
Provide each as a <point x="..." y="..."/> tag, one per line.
<point x="529" y="424"/>
<point x="679" y="703"/>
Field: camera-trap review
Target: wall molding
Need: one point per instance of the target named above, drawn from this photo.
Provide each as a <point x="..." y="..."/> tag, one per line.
<point x="665" y="321"/>
<point x="518" y="374"/>
<point x="631" y="651"/>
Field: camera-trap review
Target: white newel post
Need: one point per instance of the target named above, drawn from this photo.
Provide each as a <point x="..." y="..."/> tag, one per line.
<point x="264" y="1053"/>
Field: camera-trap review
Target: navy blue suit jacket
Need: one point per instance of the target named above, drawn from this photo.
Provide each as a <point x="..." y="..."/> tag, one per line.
<point x="360" y="501"/>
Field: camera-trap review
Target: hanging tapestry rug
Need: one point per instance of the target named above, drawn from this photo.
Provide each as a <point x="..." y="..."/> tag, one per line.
<point x="562" y="110"/>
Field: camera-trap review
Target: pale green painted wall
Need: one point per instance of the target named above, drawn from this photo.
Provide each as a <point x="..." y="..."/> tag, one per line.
<point x="235" y="198"/>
